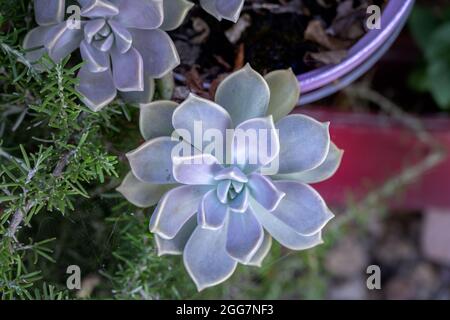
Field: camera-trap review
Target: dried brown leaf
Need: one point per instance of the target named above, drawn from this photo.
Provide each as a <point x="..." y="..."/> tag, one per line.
<point x="315" y="32"/>
<point x="325" y="57"/>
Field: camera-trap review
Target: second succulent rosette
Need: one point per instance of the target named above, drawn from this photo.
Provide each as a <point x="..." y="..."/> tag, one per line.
<point x="219" y="210"/>
<point x="122" y="42"/>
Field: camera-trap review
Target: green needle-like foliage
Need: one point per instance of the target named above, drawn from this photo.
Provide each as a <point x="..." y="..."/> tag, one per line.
<point x="59" y="165"/>
<point x="61" y="153"/>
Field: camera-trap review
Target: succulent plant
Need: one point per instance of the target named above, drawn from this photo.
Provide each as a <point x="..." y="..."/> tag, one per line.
<point x="122" y="43"/>
<point x="218" y="212"/>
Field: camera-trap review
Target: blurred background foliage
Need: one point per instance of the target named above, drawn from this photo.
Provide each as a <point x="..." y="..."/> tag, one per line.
<point x="431" y="31"/>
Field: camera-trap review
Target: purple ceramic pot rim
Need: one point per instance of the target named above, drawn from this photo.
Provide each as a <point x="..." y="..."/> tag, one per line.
<point x="346" y="80"/>
<point x="392" y="19"/>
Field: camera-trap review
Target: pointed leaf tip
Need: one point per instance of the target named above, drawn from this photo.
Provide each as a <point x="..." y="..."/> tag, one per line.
<point x="284" y="92"/>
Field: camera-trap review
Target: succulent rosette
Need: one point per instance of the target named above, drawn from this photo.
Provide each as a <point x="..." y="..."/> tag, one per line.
<point x="122" y="43"/>
<point x="218" y="210"/>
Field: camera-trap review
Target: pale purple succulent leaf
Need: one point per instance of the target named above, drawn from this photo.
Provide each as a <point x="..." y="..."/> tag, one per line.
<point x="212" y="213"/>
<point x="128" y="72"/>
<point x="222" y="190"/>
<point x="223" y="9"/>
<point x="230" y="9"/>
<point x="83" y="2"/>
<point x="238" y="186"/>
<point x="255" y="144"/>
<point x="140" y="14"/>
<point x="231" y="173"/>
<point x="304" y="143"/>
<point x="175" y="208"/>
<point x="175" y="12"/>
<point x="98" y="89"/>
<point x="158" y="51"/>
<point x="302" y="209"/>
<point x="210" y="7"/>
<point x="244" y="94"/>
<point x="240" y="203"/>
<point x="206" y="259"/>
<point x="245" y="235"/>
<point x="141" y="194"/>
<point x="98" y="8"/>
<point x="122" y="37"/>
<point x="92" y="27"/>
<point x="141" y="97"/>
<point x="95" y="60"/>
<point x="162" y="111"/>
<point x="49" y="12"/>
<point x="265" y="191"/>
<point x="196" y="170"/>
<point x="195" y="116"/>
<point x="262" y="251"/>
<point x="152" y="162"/>
<point x="323" y="172"/>
<point x="61" y="41"/>
<point x="176" y="245"/>
<point x="104" y="44"/>
<point x="34" y="43"/>
<point x="281" y="232"/>
<point x="105" y="31"/>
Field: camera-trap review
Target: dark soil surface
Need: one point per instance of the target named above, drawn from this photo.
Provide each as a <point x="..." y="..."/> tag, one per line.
<point x="271" y="35"/>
